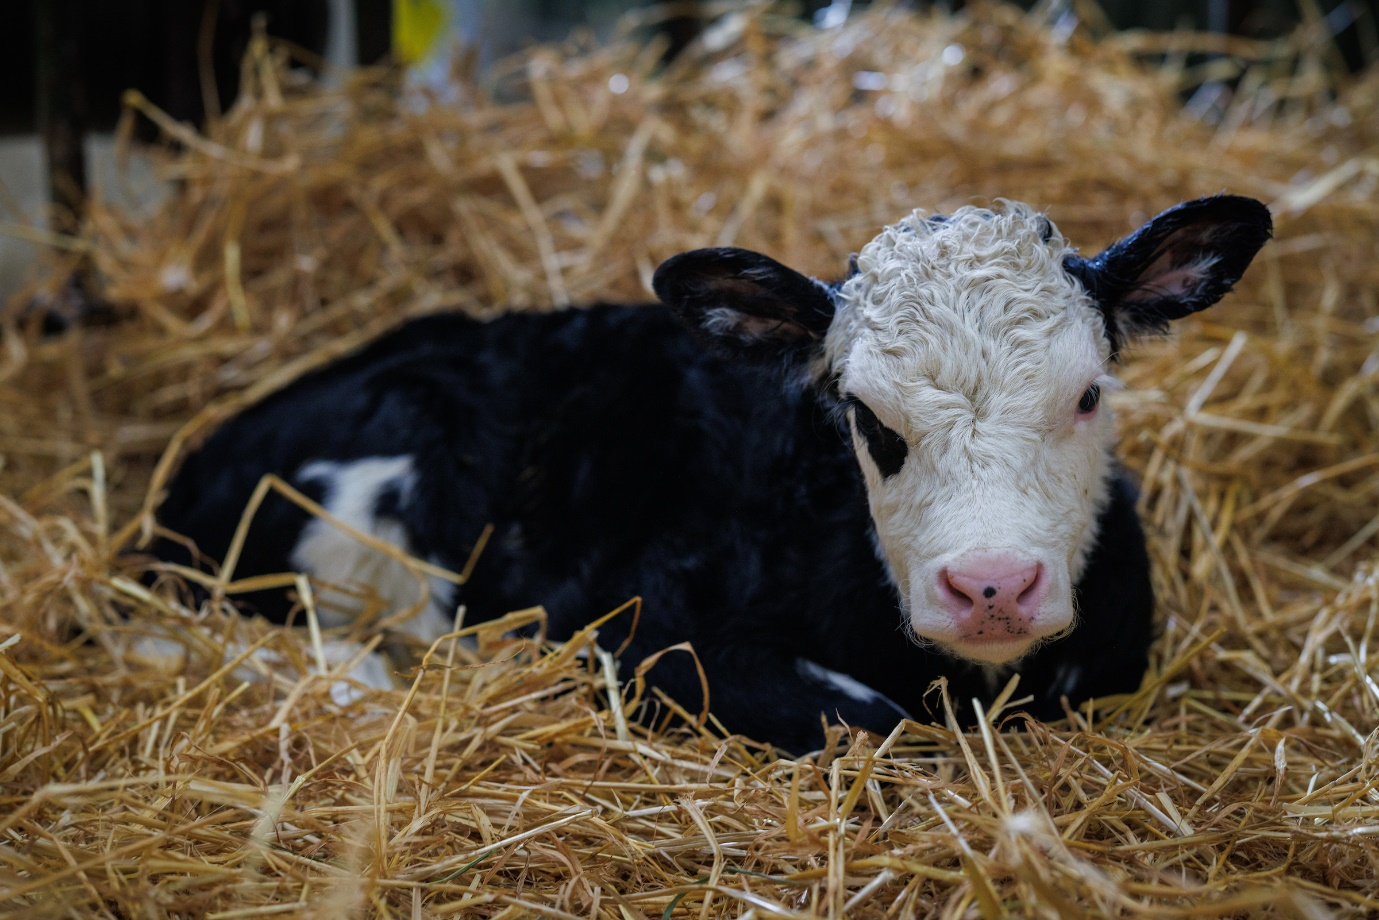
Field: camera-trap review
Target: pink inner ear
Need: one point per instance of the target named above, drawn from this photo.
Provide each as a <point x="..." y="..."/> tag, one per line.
<point x="1160" y="280"/>
<point x="759" y="327"/>
<point x="747" y="326"/>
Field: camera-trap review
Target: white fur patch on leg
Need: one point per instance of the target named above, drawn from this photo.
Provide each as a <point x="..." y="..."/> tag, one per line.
<point x="352" y="493"/>
<point x="845" y="684"/>
<point x="372" y="671"/>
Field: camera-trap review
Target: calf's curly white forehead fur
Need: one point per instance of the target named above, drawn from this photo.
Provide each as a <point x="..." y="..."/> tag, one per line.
<point x="969" y="354"/>
<point x="966" y="312"/>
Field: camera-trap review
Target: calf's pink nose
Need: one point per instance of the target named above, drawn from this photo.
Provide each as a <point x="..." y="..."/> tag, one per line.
<point x="992" y="596"/>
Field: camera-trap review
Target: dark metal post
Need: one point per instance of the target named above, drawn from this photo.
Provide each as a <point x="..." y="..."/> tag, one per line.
<point x="683" y="28"/>
<point x="61" y="108"/>
<point x="373" y="29"/>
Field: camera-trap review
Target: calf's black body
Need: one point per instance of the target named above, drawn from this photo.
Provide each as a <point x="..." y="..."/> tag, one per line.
<point x="615" y="456"/>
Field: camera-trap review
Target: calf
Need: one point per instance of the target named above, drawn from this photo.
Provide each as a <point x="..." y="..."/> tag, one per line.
<point x="836" y="492"/>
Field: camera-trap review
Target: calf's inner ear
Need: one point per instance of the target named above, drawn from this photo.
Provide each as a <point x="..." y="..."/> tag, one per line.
<point x="1182" y="261"/>
<point x="745" y="303"/>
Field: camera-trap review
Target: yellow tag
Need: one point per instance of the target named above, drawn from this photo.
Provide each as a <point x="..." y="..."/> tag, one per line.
<point x="417" y="28"/>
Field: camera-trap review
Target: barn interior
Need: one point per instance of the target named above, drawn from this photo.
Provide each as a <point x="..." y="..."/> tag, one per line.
<point x="163" y="755"/>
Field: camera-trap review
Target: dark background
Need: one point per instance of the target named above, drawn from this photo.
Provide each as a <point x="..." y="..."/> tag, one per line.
<point x="153" y="45"/>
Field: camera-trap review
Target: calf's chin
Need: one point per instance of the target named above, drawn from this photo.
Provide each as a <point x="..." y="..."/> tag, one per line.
<point x="993" y="653"/>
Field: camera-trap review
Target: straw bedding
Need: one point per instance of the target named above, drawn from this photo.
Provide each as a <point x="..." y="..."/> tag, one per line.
<point x="504" y="777"/>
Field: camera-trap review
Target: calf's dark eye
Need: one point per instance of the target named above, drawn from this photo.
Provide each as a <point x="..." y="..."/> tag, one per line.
<point x="1089" y="399"/>
<point x="887" y="448"/>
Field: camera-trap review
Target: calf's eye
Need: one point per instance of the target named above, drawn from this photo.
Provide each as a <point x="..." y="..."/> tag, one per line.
<point x="1088" y="403"/>
<point x="887" y="448"/>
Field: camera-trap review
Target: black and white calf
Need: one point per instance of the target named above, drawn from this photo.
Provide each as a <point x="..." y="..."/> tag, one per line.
<point x="836" y="492"/>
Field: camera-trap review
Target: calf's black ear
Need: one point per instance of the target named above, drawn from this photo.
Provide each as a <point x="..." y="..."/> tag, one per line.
<point x="1180" y="262"/>
<point x="745" y="304"/>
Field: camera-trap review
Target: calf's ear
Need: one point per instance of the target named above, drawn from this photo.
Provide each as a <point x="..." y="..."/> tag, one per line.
<point x="1180" y="262"/>
<point x="745" y="304"/>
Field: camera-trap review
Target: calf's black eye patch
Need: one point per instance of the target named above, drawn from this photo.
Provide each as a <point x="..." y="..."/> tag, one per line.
<point x="887" y="449"/>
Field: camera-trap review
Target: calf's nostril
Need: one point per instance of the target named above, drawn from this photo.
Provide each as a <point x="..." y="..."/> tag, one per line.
<point x="952" y="590"/>
<point x="1032" y="588"/>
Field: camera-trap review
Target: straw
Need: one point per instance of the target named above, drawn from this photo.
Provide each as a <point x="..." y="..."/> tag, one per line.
<point x="152" y="762"/>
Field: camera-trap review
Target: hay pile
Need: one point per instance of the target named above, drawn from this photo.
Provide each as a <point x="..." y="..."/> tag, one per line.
<point x="500" y="782"/>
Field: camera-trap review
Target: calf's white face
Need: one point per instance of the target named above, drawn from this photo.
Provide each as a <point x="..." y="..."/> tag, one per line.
<point x="971" y="347"/>
<point x="969" y="354"/>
